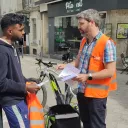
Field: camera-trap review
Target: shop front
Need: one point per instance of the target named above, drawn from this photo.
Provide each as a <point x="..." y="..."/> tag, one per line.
<point x="63" y="25"/>
<point x="66" y="33"/>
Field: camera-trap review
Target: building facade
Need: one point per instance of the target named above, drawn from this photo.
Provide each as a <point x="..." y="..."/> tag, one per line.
<point x="62" y="23"/>
<point x="52" y="24"/>
<point x="11" y="6"/>
<point x="39" y="30"/>
<point x="18" y="6"/>
<point x="35" y="28"/>
<point x="36" y="23"/>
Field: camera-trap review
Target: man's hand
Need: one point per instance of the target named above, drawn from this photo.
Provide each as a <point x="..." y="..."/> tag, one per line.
<point x="32" y="87"/>
<point x="82" y="78"/>
<point x="60" y="66"/>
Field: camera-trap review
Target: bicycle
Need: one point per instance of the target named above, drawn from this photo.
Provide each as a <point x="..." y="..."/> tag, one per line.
<point x="63" y="100"/>
<point x="67" y="98"/>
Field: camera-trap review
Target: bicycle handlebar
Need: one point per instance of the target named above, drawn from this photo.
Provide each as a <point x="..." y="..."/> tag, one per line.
<point x="49" y="64"/>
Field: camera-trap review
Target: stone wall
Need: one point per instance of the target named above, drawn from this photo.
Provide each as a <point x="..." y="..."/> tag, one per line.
<point x="35" y="44"/>
<point x="114" y="17"/>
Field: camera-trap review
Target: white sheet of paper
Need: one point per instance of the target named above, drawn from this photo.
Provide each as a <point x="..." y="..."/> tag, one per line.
<point x="69" y="72"/>
<point x="42" y="83"/>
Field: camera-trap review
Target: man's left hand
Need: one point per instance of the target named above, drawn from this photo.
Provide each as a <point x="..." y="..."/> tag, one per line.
<point x="82" y="78"/>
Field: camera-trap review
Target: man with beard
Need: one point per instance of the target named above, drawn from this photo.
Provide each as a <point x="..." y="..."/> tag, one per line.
<point x="13" y="89"/>
<point x="96" y="61"/>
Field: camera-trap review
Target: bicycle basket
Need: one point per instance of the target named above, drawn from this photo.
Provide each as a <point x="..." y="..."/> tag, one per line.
<point x="63" y="116"/>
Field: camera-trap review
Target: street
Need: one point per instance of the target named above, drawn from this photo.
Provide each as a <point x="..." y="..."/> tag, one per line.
<point x="117" y="106"/>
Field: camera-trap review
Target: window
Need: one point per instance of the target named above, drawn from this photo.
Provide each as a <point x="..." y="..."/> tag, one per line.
<point x="34" y="29"/>
<point x="66" y="33"/>
<point x="103" y="20"/>
<point x="34" y="51"/>
<point x="31" y="3"/>
<point x="74" y="21"/>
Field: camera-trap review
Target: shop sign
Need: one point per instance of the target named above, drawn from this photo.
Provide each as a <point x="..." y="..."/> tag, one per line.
<point x="74" y="6"/>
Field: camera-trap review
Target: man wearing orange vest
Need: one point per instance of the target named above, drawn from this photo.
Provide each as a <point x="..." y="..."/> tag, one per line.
<point x="97" y="63"/>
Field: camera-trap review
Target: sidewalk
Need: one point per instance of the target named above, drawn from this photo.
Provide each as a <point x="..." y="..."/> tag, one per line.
<point x="117" y="114"/>
<point x="117" y="111"/>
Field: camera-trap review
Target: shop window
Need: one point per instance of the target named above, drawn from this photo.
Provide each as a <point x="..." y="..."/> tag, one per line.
<point x="34" y="51"/>
<point x="74" y="21"/>
<point x="34" y="30"/>
<point x="103" y="19"/>
<point x="67" y="33"/>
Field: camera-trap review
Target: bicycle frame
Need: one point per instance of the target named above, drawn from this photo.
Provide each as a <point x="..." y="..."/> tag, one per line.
<point x="60" y="98"/>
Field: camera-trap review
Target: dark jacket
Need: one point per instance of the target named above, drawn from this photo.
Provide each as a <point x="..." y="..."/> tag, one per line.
<point x="12" y="82"/>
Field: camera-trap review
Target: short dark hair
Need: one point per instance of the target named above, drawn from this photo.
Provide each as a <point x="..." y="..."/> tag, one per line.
<point x="11" y="19"/>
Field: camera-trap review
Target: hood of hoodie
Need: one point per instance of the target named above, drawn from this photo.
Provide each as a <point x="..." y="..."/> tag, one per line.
<point x="2" y="42"/>
<point x="6" y="45"/>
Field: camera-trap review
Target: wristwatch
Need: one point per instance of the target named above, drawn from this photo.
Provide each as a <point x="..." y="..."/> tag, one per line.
<point x="89" y="76"/>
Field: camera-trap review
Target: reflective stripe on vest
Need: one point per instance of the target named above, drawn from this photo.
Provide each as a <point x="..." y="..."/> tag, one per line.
<point x="113" y="84"/>
<point x="36" y="122"/>
<point x="98" y="86"/>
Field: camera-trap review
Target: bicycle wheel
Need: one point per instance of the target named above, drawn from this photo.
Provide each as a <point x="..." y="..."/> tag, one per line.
<point x="74" y="102"/>
<point x="42" y="95"/>
<point x="73" y="99"/>
<point x="71" y="96"/>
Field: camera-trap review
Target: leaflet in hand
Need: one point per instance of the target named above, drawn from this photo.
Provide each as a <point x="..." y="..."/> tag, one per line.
<point x="69" y="72"/>
<point x="42" y="83"/>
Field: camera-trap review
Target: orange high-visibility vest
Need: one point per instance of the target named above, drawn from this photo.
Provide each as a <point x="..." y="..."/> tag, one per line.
<point x="36" y="114"/>
<point x="98" y="88"/>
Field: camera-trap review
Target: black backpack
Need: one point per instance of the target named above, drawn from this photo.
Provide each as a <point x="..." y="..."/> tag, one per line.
<point x="63" y="116"/>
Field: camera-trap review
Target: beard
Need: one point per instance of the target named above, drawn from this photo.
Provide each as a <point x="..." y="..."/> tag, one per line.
<point x="15" y="38"/>
<point x="83" y="33"/>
